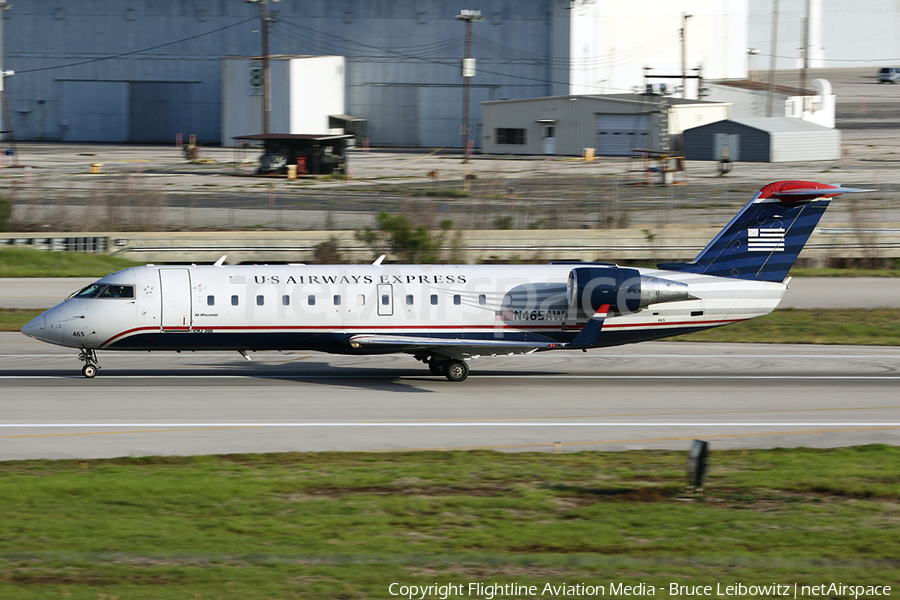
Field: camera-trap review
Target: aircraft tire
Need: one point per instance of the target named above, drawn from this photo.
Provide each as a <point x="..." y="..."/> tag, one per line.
<point x="89" y="371"/>
<point x="456" y="370"/>
<point x="437" y="368"/>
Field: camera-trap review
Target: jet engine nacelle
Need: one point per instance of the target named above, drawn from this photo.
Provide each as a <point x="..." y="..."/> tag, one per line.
<point x="624" y="290"/>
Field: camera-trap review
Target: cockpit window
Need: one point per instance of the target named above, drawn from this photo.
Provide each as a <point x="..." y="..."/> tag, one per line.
<point x="117" y="291"/>
<point x="99" y="290"/>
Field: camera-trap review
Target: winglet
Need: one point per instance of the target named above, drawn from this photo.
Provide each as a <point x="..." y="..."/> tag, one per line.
<point x="590" y="333"/>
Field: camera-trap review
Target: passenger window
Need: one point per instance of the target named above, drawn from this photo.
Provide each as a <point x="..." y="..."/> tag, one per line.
<point x="286" y="300"/>
<point x="385" y="299"/>
<point x="337" y="300"/>
<point x="482" y="299"/>
<point x="409" y="300"/>
<point x="434" y="299"/>
<point x="361" y="300"/>
<point x="457" y="299"/>
<point x="311" y="300"/>
<point x="234" y="300"/>
<point x="260" y="300"/>
<point x="210" y="300"/>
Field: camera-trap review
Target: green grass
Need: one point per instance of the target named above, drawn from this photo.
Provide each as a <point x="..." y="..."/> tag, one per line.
<point x="25" y="262"/>
<point x="12" y="319"/>
<point x="848" y="272"/>
<point x="876" y="327"/>
<point x="347" y="525"/>
<point x="446" y="193"/>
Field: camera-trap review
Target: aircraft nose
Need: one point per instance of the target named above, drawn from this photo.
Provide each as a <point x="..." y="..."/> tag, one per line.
<point x="35" y="328"/>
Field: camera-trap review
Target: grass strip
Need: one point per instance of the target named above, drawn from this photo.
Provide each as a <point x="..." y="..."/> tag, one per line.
<point x="12" y="319"/>
<point x="877" y="327"/>
<point x="347" y="525"/>
<point x="27" y="262"/>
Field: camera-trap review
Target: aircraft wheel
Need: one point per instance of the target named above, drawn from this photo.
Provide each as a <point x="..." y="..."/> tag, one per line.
<point x="456" y="370"/>
<point x="89" y="371"/>
<point x="436" y="368"/>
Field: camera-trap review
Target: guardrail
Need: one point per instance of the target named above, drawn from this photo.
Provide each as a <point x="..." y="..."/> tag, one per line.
<point x="97" y="244"/>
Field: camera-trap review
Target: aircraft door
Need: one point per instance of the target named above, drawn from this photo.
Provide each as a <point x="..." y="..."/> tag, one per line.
<point x="175" y="288"/>
<point x="385" y="299"/>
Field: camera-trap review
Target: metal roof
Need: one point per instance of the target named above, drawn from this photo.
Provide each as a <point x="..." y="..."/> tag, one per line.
<point x="778" y="124"/>
<point x="621" y="98"/>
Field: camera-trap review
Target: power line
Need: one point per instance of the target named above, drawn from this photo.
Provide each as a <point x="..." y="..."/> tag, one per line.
<point x="101" y="59"/>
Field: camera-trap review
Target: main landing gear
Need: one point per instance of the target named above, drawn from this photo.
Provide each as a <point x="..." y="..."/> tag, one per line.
<point x="91" y="365"/>
<point x="451" y="368"/>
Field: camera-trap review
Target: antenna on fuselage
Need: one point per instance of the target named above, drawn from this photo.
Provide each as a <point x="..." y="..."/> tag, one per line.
<point x="379" y="260"/>
<point x="221" y="261"/>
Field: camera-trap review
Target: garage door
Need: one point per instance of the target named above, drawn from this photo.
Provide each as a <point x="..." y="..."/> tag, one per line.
<point x="617" y="135"/>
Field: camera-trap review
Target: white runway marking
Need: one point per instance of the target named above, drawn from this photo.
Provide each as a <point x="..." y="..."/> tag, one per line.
<point x="443" y="424"/>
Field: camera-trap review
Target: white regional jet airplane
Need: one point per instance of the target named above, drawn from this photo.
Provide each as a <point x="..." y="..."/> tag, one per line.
<point x="444" y="315"/>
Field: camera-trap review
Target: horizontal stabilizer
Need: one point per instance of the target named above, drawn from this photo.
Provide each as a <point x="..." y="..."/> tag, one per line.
<point x="789" y="193"/>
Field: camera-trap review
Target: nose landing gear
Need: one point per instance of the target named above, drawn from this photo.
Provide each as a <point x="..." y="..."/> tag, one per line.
<point x="91" y="365"/>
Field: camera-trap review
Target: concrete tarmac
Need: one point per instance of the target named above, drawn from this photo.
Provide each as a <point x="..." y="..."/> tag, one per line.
<point x="804" y="292"/>
<point x="652" y="395"/>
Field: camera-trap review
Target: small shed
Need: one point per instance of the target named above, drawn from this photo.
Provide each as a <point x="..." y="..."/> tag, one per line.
<point x="781" y="139"/>
<point x="313" y="154"/>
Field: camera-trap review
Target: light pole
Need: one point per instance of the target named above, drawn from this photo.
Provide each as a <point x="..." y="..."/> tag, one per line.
<point x="468" y="72"/>
<point x="684" y="20"/>
<point x="267" y="89"/>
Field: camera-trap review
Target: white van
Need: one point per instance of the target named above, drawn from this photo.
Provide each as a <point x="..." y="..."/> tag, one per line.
<point x="889" y="74"/>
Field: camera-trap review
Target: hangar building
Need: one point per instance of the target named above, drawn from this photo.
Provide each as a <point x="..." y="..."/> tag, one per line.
<point x="146" y="70"/>
<point x="784" y="139"/>
<point x="613" y="125"/>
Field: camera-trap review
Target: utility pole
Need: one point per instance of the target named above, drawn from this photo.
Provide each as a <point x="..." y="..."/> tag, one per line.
<point x="267" y="88"/>
<point x="7" y="124"/>
<point x="468" y="72"/>
<point x="805" y="37"/>
<point x="773" y="58"/>
<point x="684" y="20"/>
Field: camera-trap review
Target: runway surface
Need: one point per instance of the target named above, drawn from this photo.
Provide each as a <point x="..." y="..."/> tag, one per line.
<point x="652" y="395"/>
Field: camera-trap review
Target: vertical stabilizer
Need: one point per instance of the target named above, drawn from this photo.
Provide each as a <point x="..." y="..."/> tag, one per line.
<point x="763" y="240"/>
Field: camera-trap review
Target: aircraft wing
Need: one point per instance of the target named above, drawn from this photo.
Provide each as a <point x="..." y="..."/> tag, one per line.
<point x="451" y="347"/>
<point x="472" y="348"/>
